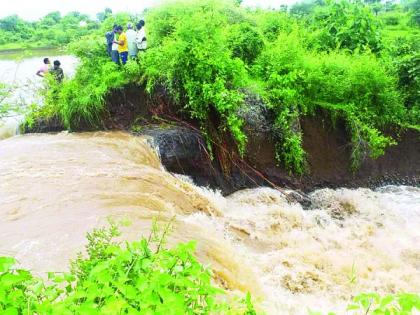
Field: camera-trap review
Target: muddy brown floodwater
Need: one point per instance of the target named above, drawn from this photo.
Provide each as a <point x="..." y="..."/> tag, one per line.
<point x="56" y="188"/>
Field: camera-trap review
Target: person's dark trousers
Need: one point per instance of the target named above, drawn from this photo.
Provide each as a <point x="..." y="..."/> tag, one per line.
<point x="115" y="56"/>
<point x="124" y="57"/>
<point x="109" y="50"/>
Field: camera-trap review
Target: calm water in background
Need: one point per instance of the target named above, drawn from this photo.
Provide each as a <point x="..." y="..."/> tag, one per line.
<point x="18" y="69"/>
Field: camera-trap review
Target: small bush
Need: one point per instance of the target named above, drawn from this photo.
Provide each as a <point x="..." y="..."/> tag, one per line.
<point x="245" y="42"/>
<point x="391" y="20"/>
<point x="373" y="303"/>
<point x="273" y="23"/>
<point x="141" y="277"/>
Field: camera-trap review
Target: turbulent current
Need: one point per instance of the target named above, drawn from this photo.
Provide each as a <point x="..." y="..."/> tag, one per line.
<point x="55" y="188"/>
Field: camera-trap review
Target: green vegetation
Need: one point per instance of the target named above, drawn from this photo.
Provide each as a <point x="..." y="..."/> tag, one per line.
<point x="50" y="31"/>
<point x="140" y="277"/>
<point x="374" y="304"/>
<point x="82" y="98"/>
<point x="357" y="62"/>
<point x="54" y="30"/>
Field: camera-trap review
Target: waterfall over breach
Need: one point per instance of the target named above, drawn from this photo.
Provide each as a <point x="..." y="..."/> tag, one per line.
<point x="56" y="188"/>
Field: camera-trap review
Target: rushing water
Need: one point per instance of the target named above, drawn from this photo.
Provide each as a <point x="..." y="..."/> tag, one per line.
<point x="55" y="188"/>
<point x="18" y="70"/>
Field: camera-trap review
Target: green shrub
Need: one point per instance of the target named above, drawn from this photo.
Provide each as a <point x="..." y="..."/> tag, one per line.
<point x="357" y="88"/>
<point x="374" y="304"/>
<point x="347" y="25"/>
<point x="391" y="19"/>
<point x="404" y="57"/>
<point x="272" y="23"/>
<point x="245" y="42"/>
<point x="281" y="67"/>
<point x="191" y="56"/>
<point x="139" y="278"/>
<point x="413" y="7"/>
<point x="81" y="99"/>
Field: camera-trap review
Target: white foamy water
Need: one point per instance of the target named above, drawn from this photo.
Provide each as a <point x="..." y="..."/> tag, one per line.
<point x="55" y="188"/>
<point x="353" y="241"/>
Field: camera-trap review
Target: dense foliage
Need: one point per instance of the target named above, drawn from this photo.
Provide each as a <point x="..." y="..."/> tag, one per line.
<point x="197" y="58"/>
<point x="141" y="277"/>
<point x="357" y="62"/>
<point x="346" y="25"/>
<point x="51" y="30"/>
<point x="405" y="61"/>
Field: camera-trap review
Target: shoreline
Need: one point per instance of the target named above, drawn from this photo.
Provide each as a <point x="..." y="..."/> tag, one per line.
<point x="12" y="51"/>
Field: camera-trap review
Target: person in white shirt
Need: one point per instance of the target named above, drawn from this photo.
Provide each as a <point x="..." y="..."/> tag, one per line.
<point x="141" y="36"/>
<point x="131" y="40"/>
<point x="115" y="55"/>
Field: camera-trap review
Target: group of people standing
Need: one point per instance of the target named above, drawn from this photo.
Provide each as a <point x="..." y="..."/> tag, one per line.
<point x="120" y="46"/>
<point x="123" y="45"/>
<point x="55" y="70"/>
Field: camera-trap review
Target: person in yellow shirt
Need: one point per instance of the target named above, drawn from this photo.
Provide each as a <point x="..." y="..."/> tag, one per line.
<point x="122" y="44"/>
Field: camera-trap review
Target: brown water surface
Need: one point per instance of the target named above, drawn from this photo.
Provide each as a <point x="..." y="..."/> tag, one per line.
<point x="56" y="188"/>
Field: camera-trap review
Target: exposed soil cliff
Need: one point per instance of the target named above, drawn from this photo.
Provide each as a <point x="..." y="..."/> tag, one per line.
<point x="183" y="150"/>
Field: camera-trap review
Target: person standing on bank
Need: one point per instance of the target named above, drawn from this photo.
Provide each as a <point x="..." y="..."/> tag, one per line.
<point x="115" y="55"/>
<point x="141" y="36"/>
<point x="110" y="36"/>
<point x="131" y="40"/>
<point x="122" y="45"/>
